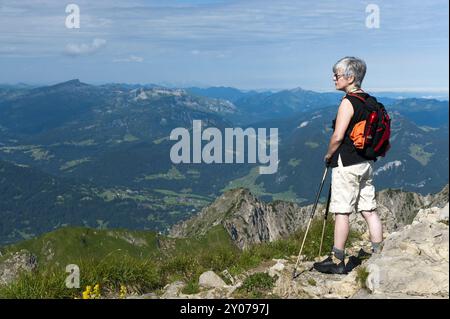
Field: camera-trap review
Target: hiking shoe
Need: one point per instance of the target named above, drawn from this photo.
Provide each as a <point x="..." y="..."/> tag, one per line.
<point x="352" y="263"/>
<point x="362" y="255"/>
<point x="331" y="265"/>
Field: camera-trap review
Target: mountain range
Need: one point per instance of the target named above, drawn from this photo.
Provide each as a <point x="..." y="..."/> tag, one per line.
<point x="110" y="143"/>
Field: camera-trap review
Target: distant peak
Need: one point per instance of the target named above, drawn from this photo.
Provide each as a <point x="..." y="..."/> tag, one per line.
<point x="298" y="89"/>
<point x="70" y="83"/>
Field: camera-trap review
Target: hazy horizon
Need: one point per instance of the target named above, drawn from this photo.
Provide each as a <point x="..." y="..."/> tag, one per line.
<point x="435" y="94"/>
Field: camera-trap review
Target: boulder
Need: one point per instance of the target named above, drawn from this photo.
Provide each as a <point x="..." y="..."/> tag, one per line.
<point x="18" y="262"/>
<point x="276" y="269"/>
<point x="172" y="291"/>
<point x="414" y="261"/>
<point x="210" y="279"/>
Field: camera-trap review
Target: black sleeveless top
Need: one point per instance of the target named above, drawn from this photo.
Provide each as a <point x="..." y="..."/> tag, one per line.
<point x="348" y="152"/>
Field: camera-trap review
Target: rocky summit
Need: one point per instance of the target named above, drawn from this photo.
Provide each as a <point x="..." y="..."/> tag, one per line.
<point x="247" y="219"/>
<point x="412" y="264"/>
<point x="250" y="221"/>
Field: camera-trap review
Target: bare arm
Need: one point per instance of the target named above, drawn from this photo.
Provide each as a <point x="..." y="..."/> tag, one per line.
<point x="345" y="113"/>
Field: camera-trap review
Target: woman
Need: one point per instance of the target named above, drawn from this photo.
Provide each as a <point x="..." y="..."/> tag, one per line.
<point x="351" y="179"/>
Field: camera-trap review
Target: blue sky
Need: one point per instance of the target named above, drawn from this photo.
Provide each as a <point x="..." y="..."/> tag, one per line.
<point x="246" y="44"/>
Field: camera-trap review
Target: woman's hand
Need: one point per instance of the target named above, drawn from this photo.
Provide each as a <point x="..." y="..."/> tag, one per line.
<point x="327" y="159"/>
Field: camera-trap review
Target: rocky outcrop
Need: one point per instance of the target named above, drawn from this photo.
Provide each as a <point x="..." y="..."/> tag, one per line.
<point x="12" y="266"/>
<point x="211" y="286"/>
<point x="414" y="261"/>
<point x="440" y="199"/>
<point x="397" y="208"/>
<point x="250" y="221"/>
<point x="314" y="285"/>
<point x="413" y="264"/>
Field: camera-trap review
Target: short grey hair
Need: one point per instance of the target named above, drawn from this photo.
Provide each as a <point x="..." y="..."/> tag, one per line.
<point x="352" y="66"/>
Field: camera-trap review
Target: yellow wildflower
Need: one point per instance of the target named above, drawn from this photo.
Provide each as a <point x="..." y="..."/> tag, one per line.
<point x="96" y="293"/>
<point x="86" y="294"/>
<point x="123" y="291"/>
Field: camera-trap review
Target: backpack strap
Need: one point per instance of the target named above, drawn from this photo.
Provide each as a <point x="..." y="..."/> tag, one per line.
<point x="357" y="96"/>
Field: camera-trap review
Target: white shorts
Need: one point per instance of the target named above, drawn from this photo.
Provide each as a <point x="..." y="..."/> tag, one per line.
<point x="352" y="188"/>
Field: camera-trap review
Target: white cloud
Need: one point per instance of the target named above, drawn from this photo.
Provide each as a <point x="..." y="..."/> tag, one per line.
<point x="256" y="43"/>
<point x="131" y="58"/>
<point x="84" y="49"/>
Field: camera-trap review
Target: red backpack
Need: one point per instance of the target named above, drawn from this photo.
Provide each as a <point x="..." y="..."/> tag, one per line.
<point x="371" y="136"/>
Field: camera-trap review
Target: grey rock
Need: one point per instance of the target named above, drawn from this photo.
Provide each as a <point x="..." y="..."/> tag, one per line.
<point x="172" y="291"/>
<point x="414" y="261"/>
<point x="10" y="269"/>
<point x="250" y="221"/>
<point x="210" y="279"/>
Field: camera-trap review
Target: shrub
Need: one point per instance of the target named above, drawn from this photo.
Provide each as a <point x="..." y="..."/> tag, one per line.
<point x="257" y="285"/>
<point x="361" y="276"/>
<point x="191" y="287"/>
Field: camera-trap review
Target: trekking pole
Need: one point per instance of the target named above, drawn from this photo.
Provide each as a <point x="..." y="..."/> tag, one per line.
<point x="294" y="274"/>
<point x="325" y="220"/>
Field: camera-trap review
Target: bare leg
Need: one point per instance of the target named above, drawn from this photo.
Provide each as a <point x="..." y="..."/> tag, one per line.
<point x="341" y="229"/>
<point x="374" y="224"/>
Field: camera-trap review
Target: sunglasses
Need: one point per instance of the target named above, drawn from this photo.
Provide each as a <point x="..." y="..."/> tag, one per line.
<point x="337" y="76"/>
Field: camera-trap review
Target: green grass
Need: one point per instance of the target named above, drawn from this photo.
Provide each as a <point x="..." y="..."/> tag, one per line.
<point x="160" y="140"/>
<point x="130" y="138"/>
<point x="361" y="276"/>
<point x="40" y="154"/>
<point x="419" y="154"/>
<point x="248" y="181"/>
<point x="183" y="199"/>
<point x="175" y="194"/>
<point x="172" y="174"/>
<point x="87" y="142"/>
<point x="12" y="149"/>
<point x="118" y="193"/>
<point x="72" y="164"/>
<point x="139" y="276"/>
<point x="312" y="282"/>
<point x="37" y="153"/>
<point x="144" y="261"/>
<point x="288" y="196"/>
<point x="69" y="244"/>
<point x="294" y="162"/>
<point x="191" y="287"/>
<point x="256" y="286"/>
